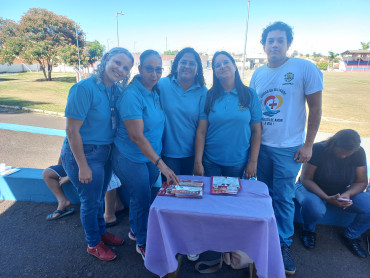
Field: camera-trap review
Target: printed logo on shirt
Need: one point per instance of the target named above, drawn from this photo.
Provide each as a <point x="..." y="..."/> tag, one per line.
<point x="288" y="77"/>
<point x="272" y="104"/>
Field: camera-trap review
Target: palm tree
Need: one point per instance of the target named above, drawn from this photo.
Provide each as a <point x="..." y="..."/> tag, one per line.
<point x="365" y="45"/>
<point x="332" y="58"/>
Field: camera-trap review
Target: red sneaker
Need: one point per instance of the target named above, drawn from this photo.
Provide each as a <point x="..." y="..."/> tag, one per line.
<point x="112" y="239"/>
<point x="102" y="252"/>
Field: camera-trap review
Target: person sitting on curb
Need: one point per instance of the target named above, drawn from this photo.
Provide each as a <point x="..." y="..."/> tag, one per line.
<point x="55" y="176"/>
<point x="336" y="176"/>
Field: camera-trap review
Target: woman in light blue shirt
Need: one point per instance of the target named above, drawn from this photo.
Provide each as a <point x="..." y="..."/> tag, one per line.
<point x="181" y="94"/>
<point x="91" y="125"/>
<point x="229" y="131"/>
<point x="138" y="144"/>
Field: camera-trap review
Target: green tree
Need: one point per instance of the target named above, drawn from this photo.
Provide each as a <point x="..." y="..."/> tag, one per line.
<point x="171" y="52"/>
<point x="295" y="53"/>
<point x="41" y="36"/>
<point x="332" y="57"/>
<point x="94" y="51"/>
<point x="365" y="45"/>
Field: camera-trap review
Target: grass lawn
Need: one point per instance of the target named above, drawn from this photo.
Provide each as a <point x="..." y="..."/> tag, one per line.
<point x="31" y="90"/>
<point x="346" y="96"/>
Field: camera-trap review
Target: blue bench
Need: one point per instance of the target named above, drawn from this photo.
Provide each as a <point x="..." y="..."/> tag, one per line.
<point x="28" y="185"/>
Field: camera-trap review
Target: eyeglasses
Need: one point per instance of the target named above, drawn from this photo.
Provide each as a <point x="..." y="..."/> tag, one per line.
<point x="150" y="69"/>
<point x="185" y="63"/>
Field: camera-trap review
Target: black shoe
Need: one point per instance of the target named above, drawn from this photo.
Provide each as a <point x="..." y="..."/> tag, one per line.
<point x="288" y="260"/>
<point x="355" y="247"/>
<point x="308" y="239"/>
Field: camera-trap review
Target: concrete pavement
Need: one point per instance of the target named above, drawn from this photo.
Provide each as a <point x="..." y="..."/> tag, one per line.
<point x="30" y="246"/>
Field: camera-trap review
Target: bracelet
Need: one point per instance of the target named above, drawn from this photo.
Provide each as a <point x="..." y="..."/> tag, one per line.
<point x="157" y="161"/>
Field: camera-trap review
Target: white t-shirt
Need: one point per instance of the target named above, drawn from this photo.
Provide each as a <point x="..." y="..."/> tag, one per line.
<point x="282" y="92"/>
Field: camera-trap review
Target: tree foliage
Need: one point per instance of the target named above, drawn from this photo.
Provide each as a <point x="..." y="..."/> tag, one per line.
<point x="94" y="51"/>
<point x="171" y="52"/>
<point x="365" y="45"/>
<point x="41" y="36"/>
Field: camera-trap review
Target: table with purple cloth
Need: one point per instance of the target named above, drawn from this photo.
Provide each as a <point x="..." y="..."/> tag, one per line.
<point x="219" y="223"/>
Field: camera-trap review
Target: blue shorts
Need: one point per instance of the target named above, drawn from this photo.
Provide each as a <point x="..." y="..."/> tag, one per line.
<point x="59" y="170"/>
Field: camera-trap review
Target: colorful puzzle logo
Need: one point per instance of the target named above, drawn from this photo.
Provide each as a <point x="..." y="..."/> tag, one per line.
<point x="272" y="104"/>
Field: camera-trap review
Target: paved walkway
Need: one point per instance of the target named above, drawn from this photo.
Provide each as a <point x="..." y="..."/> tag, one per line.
<point x="30" y="246"/>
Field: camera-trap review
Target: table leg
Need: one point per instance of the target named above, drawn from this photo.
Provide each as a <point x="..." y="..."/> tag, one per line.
<point x="179" y="261"/>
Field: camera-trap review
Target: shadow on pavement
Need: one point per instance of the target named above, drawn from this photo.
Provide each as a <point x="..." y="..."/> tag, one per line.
<point x="34" y="247"/>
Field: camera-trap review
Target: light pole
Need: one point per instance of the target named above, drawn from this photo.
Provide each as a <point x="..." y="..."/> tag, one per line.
<point x="121" y="13"/>
<point x="245" y="41"/>
<point x="78" y="52"/>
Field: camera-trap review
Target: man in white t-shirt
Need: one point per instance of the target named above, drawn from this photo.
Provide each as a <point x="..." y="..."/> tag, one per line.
<point x="284" y="86"/>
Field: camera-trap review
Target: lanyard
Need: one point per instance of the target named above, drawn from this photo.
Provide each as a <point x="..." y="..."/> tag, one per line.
<point x="111" y="95"/>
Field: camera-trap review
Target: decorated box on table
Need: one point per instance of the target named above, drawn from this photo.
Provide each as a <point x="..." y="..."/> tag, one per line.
<point x="225" y="185"/>
<point x="186" y="189"/>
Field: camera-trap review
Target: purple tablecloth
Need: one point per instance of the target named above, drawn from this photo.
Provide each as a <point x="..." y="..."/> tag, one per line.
<point x="220" y="223"/>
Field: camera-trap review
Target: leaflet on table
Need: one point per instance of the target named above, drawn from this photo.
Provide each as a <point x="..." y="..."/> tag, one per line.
<point x="9" y="170"/>
<point x="186" y="189"/>
<point x="225" y="185"/>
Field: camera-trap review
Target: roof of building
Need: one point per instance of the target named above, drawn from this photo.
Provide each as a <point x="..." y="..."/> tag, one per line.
<point x="356" y="52"/>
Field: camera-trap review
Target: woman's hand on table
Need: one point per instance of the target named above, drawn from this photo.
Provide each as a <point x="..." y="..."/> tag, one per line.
<point x="198" y="169"/>
<point x="251" y="169"/>
<point x="168" y="173"/>
<point x="85" y="174"/>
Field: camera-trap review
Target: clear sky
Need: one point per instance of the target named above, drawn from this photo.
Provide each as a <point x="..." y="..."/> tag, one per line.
<point x="210" y="25"/>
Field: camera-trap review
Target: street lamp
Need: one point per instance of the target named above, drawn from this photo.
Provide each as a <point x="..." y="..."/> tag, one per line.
<point x="121" y="13"/>
<point x="245" y="41"/>
<point x="78" y="52"/>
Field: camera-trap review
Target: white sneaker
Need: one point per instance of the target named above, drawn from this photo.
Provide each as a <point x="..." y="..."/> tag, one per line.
<point x="193" y="258"/>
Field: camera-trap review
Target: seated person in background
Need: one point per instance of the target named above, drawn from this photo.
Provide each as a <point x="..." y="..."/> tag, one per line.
<point x="336" y="175"/>
<point x="55" y="177"/>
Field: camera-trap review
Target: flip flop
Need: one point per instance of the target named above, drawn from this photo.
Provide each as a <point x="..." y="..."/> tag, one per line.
<point x="111" y="224"/>
<point x="62" y="213"/>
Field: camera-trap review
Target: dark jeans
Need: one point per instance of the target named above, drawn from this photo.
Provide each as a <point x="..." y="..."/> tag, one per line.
<point x="139" y="179"/>
<point x="180" y="166"/>
<point x="213" y="169"/>
<point x="91" y="194"/>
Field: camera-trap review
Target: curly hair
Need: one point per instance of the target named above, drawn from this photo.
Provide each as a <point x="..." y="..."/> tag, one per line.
<point x="199" y="78"/>
<point x="244" y="93"/>
<point x="278" y="25"/>
<point x="99" y="72"/>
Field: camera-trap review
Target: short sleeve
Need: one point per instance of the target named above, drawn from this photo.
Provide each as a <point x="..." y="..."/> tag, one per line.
<point x="78" y="103"/>
<point x="317" y="151"/>
<point x="256" y="111"/>
<point x="361" y="158"/>
<point x="202" y="114"/>
<point x="313" y="79"/>
<point x="130" y="105"/>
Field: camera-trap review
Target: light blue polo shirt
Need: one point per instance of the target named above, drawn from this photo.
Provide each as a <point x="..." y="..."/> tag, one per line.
<point x="182" y="110"/>
<point x="229" y="132"/>
<point x="139" y="103"/>
<point x="88" y="102"/>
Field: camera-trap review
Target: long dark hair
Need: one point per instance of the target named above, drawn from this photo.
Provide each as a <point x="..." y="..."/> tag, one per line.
<point x="199" y="78"/>
<point x="347" y="139"/>
<point x="143" y="57"/>
<point x="244" y="93"/>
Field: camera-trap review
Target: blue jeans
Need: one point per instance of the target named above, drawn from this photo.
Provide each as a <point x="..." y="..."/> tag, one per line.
<point x="91" y="194"/>
<point x="139" y="179"/>
<point x="278" y="170"/>
<point x="313" y="208"/>
<point x="180" y="166"/>
<point x="214" y="169"/>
